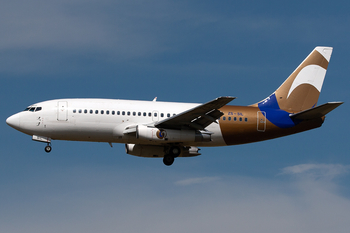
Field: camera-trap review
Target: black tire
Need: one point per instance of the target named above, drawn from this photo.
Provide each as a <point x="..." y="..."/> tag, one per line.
<point x="168" y="160"/>
<point x="48" y="149"/>
<point x="175" y="151"/>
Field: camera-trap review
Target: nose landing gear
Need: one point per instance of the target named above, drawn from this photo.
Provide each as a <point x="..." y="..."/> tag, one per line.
<point x="43" y="139"/>
<point x="48" y="148"/>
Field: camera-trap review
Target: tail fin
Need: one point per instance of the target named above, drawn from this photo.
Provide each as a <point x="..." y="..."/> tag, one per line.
<point x="302" y="88"/>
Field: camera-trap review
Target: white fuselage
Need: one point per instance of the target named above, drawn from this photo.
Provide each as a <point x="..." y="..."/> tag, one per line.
<point x="101" y="120"/>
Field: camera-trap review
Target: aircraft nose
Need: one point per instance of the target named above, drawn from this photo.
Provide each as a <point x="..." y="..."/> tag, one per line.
<point x="13" y="121"/>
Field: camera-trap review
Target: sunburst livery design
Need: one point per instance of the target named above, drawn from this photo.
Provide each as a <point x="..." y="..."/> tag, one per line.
<point x="161" y="134"/>
<point x="169" y="129"/>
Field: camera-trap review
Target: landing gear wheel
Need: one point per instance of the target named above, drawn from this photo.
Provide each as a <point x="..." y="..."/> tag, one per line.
<point x="175" y="151"/>
<point x="48" y="148"/>
<point x="168" y="160"/>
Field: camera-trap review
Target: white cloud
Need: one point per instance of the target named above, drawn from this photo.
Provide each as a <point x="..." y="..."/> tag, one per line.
<point x="107" y="200"/>
<point x="326" y="171"/>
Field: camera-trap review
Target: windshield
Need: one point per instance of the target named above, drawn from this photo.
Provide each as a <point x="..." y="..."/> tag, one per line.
<point x="32" y="109"/>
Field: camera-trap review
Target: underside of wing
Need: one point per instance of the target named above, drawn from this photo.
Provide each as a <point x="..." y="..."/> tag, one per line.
<point x="196" y="118"/>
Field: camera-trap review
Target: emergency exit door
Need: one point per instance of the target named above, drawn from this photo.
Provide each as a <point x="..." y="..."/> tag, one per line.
<point x="261" y="121"/>
<point x="62" y="111"/>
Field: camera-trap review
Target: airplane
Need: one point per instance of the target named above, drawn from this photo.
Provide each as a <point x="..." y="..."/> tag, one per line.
<point x="170" y="129"/>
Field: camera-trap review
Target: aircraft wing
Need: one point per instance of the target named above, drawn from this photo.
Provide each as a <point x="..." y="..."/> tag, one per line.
<point x="196" y="118"/>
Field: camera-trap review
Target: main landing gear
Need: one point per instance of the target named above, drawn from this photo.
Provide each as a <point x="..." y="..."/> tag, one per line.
<point x="48" y="148"/>
<point x="169" y="158"/>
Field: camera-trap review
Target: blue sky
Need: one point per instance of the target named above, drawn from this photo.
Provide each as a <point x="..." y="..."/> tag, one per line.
<point x="186" y="51"/>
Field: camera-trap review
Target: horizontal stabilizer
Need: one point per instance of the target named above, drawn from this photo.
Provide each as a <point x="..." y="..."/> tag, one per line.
<point x="316" y="112"/>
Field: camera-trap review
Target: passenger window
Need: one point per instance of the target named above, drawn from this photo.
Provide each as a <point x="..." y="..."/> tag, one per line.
<point x="168" y="115"/>
<point x="74" y="110"/>
<point x="224" y="118"/>
<point x="107" y="112"/>
<point x="162" y="115"/>
<point x="128" y="113"/>
<point x="139" y="113"/>
<point x="96" y="111"/>
<point x="240" y="119"/>
<point x="245" y="119"/>
<point x="113" y="112"/>
<point x="80" y="111"/>
<point x="235" y="118"/>
<point x="102" y="112"/>
<point x="91" y="111"/>
<point x="134" y="113"/>
<point x="155" y="114"/>
<point x="229" y="118"/>
<point x="123" y="113"/>
<point x="144" y="114"/>
<point x="149" y="114"/>
<point x="85" y="111"/>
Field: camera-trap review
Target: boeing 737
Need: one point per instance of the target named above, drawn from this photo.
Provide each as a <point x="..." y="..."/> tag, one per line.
<point x="169" y="130"/>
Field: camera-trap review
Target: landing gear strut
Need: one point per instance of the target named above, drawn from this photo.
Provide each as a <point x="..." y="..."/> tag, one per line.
<point x="48" y="148"/>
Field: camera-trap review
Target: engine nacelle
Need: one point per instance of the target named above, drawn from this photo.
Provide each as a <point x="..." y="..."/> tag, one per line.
<point x="171" y="135"/>
<point x="145" y="150"/>
<point x="158" y="151"/>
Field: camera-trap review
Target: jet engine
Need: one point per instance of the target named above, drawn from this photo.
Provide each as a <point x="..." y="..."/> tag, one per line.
<point x="171" y="135"/>
<point x="160" y="151"/>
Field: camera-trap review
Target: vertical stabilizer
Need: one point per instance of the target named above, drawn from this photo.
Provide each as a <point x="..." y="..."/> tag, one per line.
<point x="302" y="88"/>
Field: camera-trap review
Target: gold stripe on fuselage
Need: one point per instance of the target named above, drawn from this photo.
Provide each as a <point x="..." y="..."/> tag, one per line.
<point x="243" y="131"/>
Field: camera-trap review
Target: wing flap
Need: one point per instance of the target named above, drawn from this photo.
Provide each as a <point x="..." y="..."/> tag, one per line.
<point x="316" y="112"/>
<point x="198" y="117"/>
<point x="208" y="118"/>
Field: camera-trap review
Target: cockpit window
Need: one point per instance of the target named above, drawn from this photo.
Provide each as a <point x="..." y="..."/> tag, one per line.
<point x="33" y="109"/>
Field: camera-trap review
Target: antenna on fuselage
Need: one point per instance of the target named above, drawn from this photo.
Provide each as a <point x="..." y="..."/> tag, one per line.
<point x="155" y="99"/>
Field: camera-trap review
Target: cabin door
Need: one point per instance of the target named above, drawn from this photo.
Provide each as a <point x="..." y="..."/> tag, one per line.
<point x="155" y="116"/>
<point x="62" y="111"/>
<point x="261" y="121"/>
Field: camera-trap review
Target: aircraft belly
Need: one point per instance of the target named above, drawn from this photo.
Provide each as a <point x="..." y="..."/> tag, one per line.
<point x="88" y="131"/>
